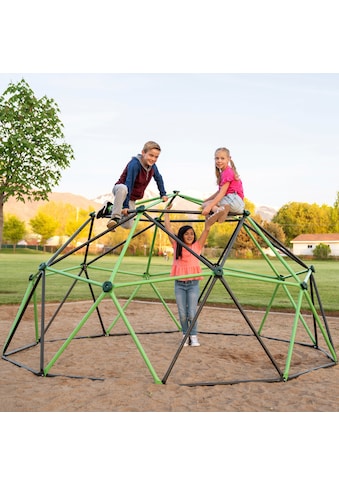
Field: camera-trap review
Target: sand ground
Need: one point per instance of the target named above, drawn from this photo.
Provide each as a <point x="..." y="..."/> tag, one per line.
<point x="110" y="374"/>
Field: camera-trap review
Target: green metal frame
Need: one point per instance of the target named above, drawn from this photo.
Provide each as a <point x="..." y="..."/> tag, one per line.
<point x="303" y="281"/>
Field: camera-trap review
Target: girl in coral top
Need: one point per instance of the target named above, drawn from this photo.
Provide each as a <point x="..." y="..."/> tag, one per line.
<point x="186" y="265"/>
<point x="230" y="196"/>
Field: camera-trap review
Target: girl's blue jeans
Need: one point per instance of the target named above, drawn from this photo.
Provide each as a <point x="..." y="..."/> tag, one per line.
<point x="187" y="295"/>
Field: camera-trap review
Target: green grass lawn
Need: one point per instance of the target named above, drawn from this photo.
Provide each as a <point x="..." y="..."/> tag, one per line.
<point x="245" y="278"/>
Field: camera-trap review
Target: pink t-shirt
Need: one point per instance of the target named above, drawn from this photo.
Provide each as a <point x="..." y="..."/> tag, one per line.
<point x="227" y="175"/>
<point x="187" y="264"/>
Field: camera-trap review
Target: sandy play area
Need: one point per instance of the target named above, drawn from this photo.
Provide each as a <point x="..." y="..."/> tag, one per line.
<point x="104" y="373"/>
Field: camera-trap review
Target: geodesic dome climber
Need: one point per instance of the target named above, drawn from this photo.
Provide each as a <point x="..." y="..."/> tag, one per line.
<point x="41" y="343"/>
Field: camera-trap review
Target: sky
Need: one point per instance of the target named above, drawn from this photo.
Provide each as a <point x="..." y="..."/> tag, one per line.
<point x="258" y="79"/>
<point x="282" y="130"/>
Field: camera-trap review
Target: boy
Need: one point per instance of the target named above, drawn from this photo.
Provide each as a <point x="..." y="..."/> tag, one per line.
<point x="133" y="182"/>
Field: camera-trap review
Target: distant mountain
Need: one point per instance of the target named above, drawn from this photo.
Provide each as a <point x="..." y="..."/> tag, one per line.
<point x="26" y="211"/>
<point x="267" y="213"/>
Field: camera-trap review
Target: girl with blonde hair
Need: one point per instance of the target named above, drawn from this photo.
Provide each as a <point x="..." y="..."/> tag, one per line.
<point x="229" y="197"/>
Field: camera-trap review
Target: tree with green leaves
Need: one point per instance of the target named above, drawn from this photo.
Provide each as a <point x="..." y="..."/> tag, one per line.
<point x="14" y="230"/>
<point x="76" y="218"/>
<point x="302" y="218"/>
<point x="44" y="225"/>
<point x="32" y="148"/>
<point x="322" y="251"/>
<point x="334" y="227"/>
<point x="275" y="230"/>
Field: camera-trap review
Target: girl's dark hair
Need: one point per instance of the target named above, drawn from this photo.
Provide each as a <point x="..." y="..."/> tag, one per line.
<point x="181" y="233"/>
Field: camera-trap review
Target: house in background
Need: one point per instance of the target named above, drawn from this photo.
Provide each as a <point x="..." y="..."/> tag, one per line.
<point x="304" y="244"/>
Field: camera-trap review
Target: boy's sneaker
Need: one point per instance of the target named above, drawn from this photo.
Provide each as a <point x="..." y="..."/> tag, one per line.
<point x="194" y="341"/>
<point x="113" y="222"/>
<point x="104" y="209"/>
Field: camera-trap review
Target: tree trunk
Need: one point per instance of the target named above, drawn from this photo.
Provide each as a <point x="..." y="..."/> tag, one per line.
<point x="1" y="216"/>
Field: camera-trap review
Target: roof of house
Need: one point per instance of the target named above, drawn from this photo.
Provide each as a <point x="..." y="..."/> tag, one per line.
<point x="316" y="238"/>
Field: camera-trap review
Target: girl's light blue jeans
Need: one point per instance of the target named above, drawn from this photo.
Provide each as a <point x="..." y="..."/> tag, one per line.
<point x="187" y="296"/>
